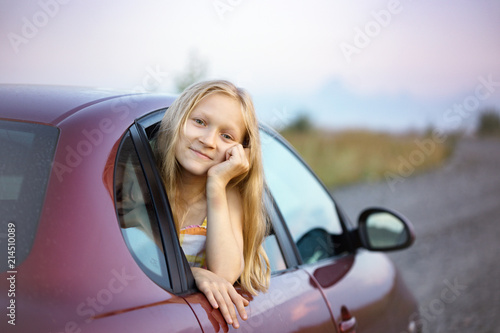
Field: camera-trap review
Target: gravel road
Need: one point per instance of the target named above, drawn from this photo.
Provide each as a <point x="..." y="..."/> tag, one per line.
<point x="453" y="266"/>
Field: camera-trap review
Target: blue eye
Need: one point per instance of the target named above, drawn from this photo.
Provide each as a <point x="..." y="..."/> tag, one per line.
<point x="227" y="136"/>
<point x="199" y="121"/>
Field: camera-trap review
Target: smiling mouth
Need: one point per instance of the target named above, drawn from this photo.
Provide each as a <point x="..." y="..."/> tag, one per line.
<point x="201" y="155"/>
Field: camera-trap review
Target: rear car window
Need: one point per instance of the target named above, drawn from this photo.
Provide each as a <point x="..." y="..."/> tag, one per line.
<point x="26" y="154"/>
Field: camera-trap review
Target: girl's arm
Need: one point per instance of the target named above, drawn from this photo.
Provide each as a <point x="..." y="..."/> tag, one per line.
<point x="224" y="245"/>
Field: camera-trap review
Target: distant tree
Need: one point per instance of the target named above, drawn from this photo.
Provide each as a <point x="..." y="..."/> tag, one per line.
<point x="301" y="124"/>
<point x="489" y="123"/>
<point x="195" y="71"/>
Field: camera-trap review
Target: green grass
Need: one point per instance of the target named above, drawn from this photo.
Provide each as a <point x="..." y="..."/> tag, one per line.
<point x="351" y="156"/>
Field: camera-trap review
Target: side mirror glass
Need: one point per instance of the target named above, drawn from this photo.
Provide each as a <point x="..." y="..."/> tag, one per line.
<point x="384" y="230"/>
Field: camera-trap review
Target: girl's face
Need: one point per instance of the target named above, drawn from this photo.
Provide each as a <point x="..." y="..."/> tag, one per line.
<point x="214" y="125"/>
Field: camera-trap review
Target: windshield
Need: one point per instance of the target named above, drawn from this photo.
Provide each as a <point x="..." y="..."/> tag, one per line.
<point x="26" y="153"/>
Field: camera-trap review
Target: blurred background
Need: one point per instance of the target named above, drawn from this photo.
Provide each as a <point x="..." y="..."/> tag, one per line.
<point x="392" y="103"/>
<point x="399" y="67"/>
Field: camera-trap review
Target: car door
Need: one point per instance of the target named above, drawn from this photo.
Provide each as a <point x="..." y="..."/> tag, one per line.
<point x="361" y="288"/>
<point x="139" y="213"/>
<point x="294" y="301"/>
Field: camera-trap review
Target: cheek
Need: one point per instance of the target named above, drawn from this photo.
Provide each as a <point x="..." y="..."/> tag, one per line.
<point x="182" y="143"/>
<point x="183" y="132"/>
<point x="177" y="149"/>
<point x="182" y="138"/>
<point x="189" y="133"/>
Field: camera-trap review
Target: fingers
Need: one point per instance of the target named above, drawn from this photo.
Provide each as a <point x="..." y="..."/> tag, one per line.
<point x="220" y="322"/>
<point x="210" y="297"/>
<point x="222" y="295"/>
<point x="239" y="302"/>
<point x="227" y="300"/>
<point x="235" y="164"/>
<point x="222" y="304"/>
<point x="240" y="306"/>
<point x="240" y="154"/>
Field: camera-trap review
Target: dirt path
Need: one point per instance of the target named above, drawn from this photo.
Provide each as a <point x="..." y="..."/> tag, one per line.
<point x="453" y="268"/>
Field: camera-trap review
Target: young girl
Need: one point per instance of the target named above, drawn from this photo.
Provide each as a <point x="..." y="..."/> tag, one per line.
<point x="212" y="169"/>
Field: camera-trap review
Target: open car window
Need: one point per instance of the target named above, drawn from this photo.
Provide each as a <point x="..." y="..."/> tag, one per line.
<point x="279" y="258"/>
<point x="143" y="135"/>
<point x="136" y="214"/>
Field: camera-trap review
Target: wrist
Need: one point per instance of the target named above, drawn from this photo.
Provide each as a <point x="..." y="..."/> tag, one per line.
<point x="215" y="185"/>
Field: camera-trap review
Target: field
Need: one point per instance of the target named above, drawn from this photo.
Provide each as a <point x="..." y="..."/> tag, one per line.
<point x="455" y="214"/>
<point x="352" y="156"/>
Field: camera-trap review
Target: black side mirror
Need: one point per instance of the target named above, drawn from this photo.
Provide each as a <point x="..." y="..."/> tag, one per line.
<point x="380" y="229"/>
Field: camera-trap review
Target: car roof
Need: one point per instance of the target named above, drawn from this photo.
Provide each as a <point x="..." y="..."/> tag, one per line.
<point x="53" y="104"/>
<point x="49" y="104"/>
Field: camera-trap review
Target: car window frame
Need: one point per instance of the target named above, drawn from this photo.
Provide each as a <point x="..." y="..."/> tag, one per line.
<point x="177" y="263"/>
<point x="181" y="279"/>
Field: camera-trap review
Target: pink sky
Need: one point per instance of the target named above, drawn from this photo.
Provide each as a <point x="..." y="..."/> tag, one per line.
<point x="431" y="52"/>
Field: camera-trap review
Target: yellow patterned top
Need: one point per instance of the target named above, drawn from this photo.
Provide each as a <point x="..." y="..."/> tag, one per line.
<point x="193" y="239"/>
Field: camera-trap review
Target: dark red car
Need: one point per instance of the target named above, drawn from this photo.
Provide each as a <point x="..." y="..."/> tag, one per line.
<point x="77" y="162"/>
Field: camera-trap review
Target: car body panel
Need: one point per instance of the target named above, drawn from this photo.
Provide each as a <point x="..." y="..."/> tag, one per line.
<point x="81" y="277"/>
<point x="369" y="287"/>
<point x="293" y="303"/>
<point x="47" y="104"/>
<point x="75" y="256"/>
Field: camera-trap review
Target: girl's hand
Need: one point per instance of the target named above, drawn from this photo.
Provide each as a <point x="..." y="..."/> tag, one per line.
<point x="221" y="295"/>
<point x="236" y="164"/>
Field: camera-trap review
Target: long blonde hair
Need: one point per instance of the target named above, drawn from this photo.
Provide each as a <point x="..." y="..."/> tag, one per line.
<point x="256" y="271"/>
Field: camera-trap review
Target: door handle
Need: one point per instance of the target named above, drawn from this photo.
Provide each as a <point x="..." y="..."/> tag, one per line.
<point x="348" y="323"/>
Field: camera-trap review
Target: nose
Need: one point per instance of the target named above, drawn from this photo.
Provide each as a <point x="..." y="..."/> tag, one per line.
<point x="208" y="138"/>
